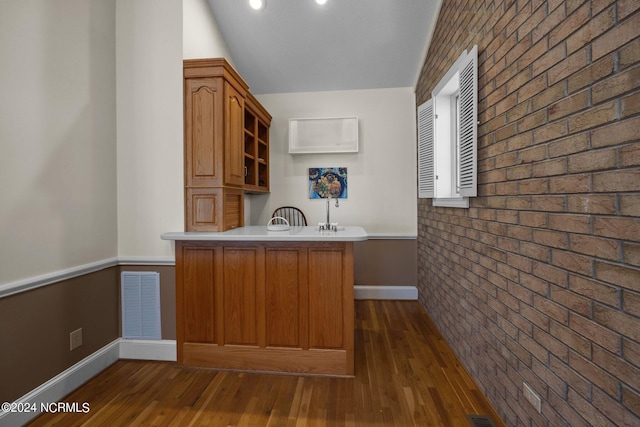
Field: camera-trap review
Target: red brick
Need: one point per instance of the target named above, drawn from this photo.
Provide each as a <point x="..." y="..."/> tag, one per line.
<point x="551" y="131"/>
<point x="570" y="376"/>
<point x="616" y="133"/>
<point x="521" y="140"/>
<point x="616" y="367"/>
<point x="631" y="253"/>
<point x="619" y="275"/>
<point x="593" y="117"/>
<point x="611" y="408"/>
<point x="593" y="160"/>
<point x="534" y="219"/>
<point x="548" y="95"/>
<point x="616" y="37"/>
<point x="595" y="27"/>
<point x="631" y="303"/>
<point x="553" y="239"/>
<point x="571" y="261"/>
<point x="570" y="105"/>
<point x="504" y="160"/>
<point x="531" y="87"/>
<point x="594" y="290"/>
<point x="595" y="332"/>
<point x="615" y="85"/>
<point x="630" y="54"/>
<point x="577" y="342"/>
<point x="506" y="74"/>
<point x="550" y="168"/>
<point x="597" y="376"/>
<point x="534" y="284"/>
<point x="574" y="302"/>
<point x="617" y="227"/>
<point x="506" y="104"/>
<point x="630" y="105"/>
<point x="519" y="172"/>
<point x="596" y="246"/>
<point x="550" y="58"/>
<point x="617" y="180"/>
<point x="599" y="6"/>
<point x="532" y="22"/>
<point x="570" y="184"/>
<point x="552" y="274"/>
<point x="556" y="348"/>
<point x="506" y="132"/>
<point x="592" y="204"/>
<point x="620" y="322"/>
<point x="569" y="26"/>
<point x="629" y="204"/>
<point x="550" y="308"/>
<point x="626" y="8"/>
<point x="568" y="66"/>
<point x="507" y="189"/>
<point x="548" y="203"/>
<point x="519" y="110"/>
<point x="631" y="400"/>
<point x="570" y="145"/>
<point x="521" y="48"/>
<point x="592" y="73"/>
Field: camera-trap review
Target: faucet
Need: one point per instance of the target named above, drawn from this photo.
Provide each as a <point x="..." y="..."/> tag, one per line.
<point x="327" y="225"/>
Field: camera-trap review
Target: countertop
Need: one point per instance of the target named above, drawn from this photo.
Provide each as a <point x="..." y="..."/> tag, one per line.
<point x="259" y="233"/>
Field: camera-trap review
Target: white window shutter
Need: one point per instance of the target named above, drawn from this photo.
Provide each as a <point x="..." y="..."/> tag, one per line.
<point x="469" y="125"/>
<point x="425" y="150"/>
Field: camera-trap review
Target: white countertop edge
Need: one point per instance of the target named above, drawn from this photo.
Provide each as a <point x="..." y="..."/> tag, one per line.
<point x="257" y="233"/>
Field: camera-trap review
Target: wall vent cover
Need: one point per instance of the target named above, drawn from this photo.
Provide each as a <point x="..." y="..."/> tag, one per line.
<point x="480" y="421"/>
<point x="141" y="305"/>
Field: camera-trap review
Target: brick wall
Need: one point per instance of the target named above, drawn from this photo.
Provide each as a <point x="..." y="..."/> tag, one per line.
<point x="539" y="280"/>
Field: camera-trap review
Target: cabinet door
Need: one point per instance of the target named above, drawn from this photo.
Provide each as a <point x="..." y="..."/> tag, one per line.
<point x="203" y="117"/>
<point x="233" y="139"/>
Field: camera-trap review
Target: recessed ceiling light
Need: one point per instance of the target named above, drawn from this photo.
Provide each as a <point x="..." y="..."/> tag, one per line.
<point x="257" y="4"/>
<point x="321" y="2"/>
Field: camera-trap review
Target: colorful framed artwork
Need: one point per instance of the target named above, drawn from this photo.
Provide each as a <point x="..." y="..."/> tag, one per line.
<point x="325" y="183"/>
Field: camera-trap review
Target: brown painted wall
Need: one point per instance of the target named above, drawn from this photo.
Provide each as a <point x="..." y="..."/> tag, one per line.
<point x="539" y="280"/>
<point x="35" y="327"/>
<point x="385" y="262"/>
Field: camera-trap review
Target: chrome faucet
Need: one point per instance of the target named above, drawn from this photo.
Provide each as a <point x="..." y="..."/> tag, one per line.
<point x="327" y="225"/>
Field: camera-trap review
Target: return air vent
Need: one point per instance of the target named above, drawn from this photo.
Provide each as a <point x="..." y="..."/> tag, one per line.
<point x="480" y="421"/>
<point x="141" y="305"/>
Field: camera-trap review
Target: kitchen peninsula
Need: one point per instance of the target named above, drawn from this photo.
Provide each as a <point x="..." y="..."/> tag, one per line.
<point x="260" y="300"/>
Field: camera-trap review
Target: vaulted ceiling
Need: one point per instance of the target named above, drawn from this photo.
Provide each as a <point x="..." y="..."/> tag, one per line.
<point x="300" y="46"/>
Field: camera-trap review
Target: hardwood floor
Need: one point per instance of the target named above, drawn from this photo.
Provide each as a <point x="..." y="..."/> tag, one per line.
<point x="406" y="375"/>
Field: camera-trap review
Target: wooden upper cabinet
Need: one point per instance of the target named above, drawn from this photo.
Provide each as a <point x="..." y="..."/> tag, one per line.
<point x="233" y="147"/>
<point x="203" y="137"/>
<point x="216" y="166"/>
<point x="256" y="146"/>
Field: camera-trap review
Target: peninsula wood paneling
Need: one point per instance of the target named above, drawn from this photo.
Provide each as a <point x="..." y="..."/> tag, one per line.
<point x="274" y="306"/>
<point x="325" y="292"/>
<point x="198" y="295"/>
<point x="243" y="286"/>
<point x="286" y="288"/>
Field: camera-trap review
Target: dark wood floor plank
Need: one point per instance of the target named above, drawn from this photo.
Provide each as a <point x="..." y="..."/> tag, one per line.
<point x="405" y="375"/>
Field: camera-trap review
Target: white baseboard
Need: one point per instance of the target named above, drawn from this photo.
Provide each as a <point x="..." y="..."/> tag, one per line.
<point x="61" y="385"/>
<point x="148" y="350"/>
<point x="386" y="292"/>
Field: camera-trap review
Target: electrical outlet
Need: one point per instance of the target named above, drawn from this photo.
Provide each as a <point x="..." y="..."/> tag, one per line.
<point x="532" y="397"/>
<point x="75" y="339"/>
